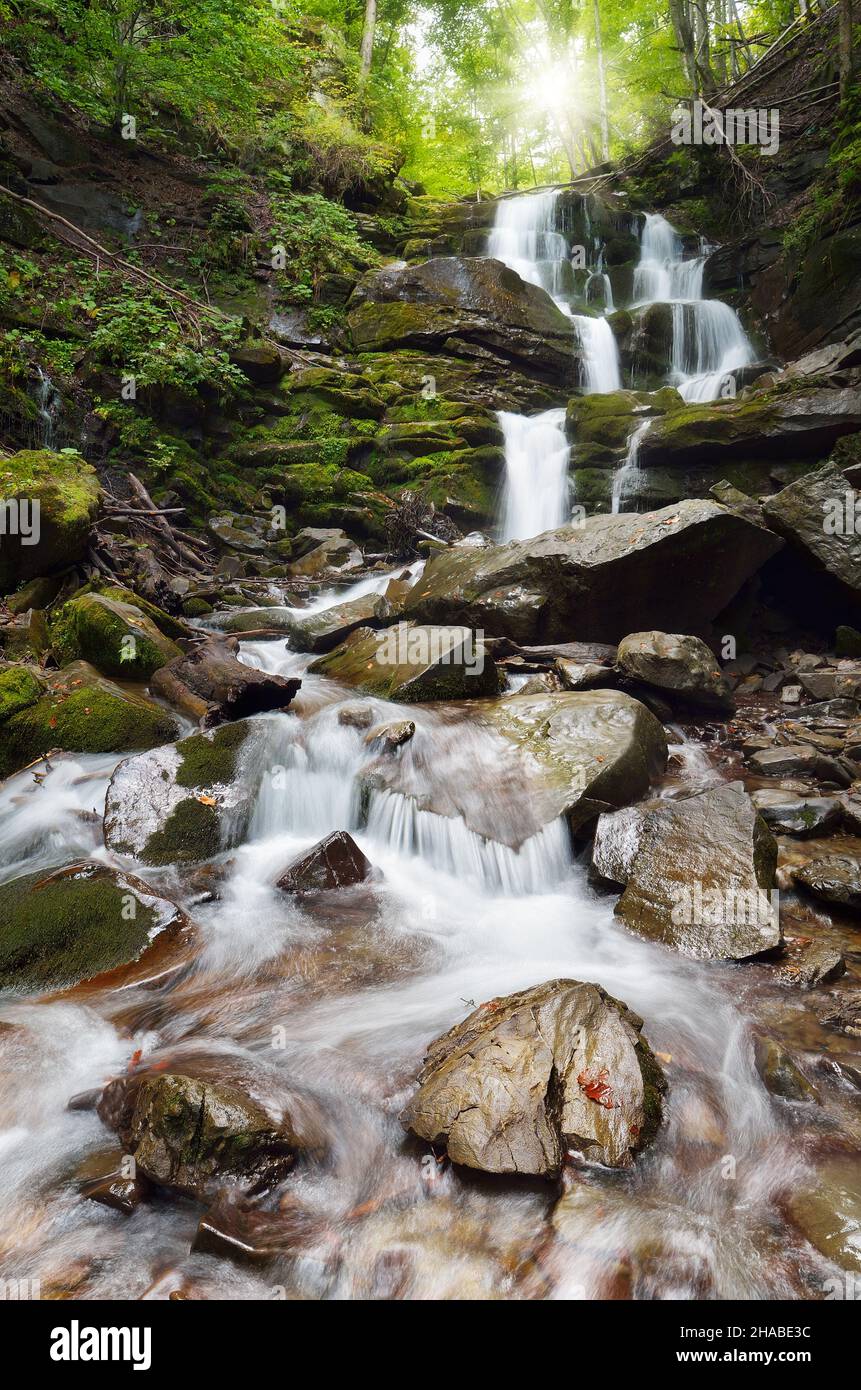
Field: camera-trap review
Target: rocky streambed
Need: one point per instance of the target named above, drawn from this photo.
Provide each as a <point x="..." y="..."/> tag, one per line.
<point x="378" y="979"/>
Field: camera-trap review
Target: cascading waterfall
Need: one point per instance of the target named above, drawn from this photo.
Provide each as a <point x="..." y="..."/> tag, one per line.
<point x="49" y="403"/>
<point x="524" y="237"/>
<point x="600" y="355"/>
<point x="535" y="495"/>
<point x="709" y="342"/>
<point x="625" y="478"/>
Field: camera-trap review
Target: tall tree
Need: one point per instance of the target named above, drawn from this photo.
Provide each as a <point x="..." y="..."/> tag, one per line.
<point x="368" y="30"/>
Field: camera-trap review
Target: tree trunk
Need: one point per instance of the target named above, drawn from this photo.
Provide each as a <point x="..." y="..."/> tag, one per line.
<point x="683" y="29"/>
<point x="367" y="50"/>
<point x="602" y="84"/>
<point x="847" y="62"/>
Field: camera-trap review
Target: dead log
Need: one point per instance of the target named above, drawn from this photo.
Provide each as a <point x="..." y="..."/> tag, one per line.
<point x="211" y="684"/>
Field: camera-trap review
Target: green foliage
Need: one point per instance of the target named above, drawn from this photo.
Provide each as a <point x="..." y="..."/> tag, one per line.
<point x="319" y="237"/>
<point x="144" y="337"/>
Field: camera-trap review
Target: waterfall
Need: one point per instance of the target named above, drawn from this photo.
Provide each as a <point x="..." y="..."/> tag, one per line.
<point x="708" y="340"/>
<point x="535" y="497"/>
<point x="625" y="478"/>
<point x="600" y="366"/>
<point x="524" y="237"/>
<point x="708" y="344"/>
<point x="49" y="403"/>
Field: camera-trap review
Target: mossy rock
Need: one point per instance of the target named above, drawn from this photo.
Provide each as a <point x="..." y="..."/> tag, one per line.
<point x="73" y="924"/>
<point x="67" y="492"/>
<point x="413" y="663"/>
<point x="82" y="713"/>
<point x="36" y="593"/>
<point x="170" y="626"/>
<point x="117" y="637"/>
<point x="182" y="803"/>
<point x="19" y="688"/>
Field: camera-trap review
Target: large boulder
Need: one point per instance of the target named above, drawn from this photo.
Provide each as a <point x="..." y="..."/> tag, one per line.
<point x="834" y="879"/>
<point x="670" y="569"/>
<point x="117" y="637"/>
<point x="817" y="515"/>
<point x="78" y="711"/>
<point x="48" y="503"/>
<point x="589" y="749"/>
<point x="181" y="803"/>
<point x="478" y="301"/>
<point x="207" y="1121"/>
<point x="526" y="1078"/>
<point x="74" y="923"/>
<point x="770" y="425"/>
<point x="697" y="872"/>
<point x="682" y="666"/>
<point x="411" y="663"/>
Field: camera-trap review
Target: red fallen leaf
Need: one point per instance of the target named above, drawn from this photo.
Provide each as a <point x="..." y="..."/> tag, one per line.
<point x="597" y="1088"/>
<point x="134" y="1060"/>
<point x="53" y="721"/>
<point x="160" y="1066"/>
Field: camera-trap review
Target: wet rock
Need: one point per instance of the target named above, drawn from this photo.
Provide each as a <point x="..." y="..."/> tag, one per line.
<point x="316" y="549"/>
<point x="846" y="1066"/>
<point x="699" y="877"/>
<point x="181" y="803"/>
<point x="584" y="675"/>
<point x="790" y="814"/>
<point x="55" y="536"/>
<point x="678" y="567"/>
<point x="845" y="1014"/>
<point x="335" y="862"/>
<point x="779" y="1074"/>
<point x="67" y="925"/>
<point x="828" y="1214"/>
<point x="210" y="683"/>
<point x="410" y="662"/>
<point x="262" y="363"/>
<point x="317" y="632"/>
<point x="388" y="737"/>
<point x="105" y="1178"/>
<point x="834" y="879"/>
<point x="810" y="963"/>
<point x="800" y="760"/>
<point x="236" y="1230"/>
<point x="525" y="1078"/>
<point x="800" y="513"/>
<point x="471" y="301"/>
<point x="681" y="665"/>
<point x="592" y="749"/>
<point x="617" y="840"/>
<point x="117" y="637"/>
<point x="189" y="1130"/>
<point x="356" y="716"/>
<point x="82" y="712"/>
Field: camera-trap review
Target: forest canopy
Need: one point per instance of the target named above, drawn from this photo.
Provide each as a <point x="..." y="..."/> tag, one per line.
<point x="461" y="95"/>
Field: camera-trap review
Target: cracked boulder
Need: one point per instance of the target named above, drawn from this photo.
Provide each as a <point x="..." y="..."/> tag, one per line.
<point x="697" y="873"/>
<point x="524" y="1079"/>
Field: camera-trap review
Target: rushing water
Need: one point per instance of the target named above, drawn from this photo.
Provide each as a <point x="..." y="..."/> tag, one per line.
<point x="535" y="496"/>
<point x="474" y="899"/>
<point x="709" y="343"/>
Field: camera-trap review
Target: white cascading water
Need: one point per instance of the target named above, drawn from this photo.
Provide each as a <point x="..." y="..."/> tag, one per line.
<point x="535" y="496"/>
<point x="625" y="479"/>
<point x="709" y="342"/>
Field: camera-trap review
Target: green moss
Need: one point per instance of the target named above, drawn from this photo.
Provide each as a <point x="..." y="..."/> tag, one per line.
<point x="19" y="689"/>
<point x="67" y="492"/>
<point x="97" y="718"/>
<point x="192" y="832"/>
<point x="196" y="607"/>
<point x="207" y="760"/>
<point x="116" y="636"/>
<point x="166" y="624"/>
<point x="68" y="927"/>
